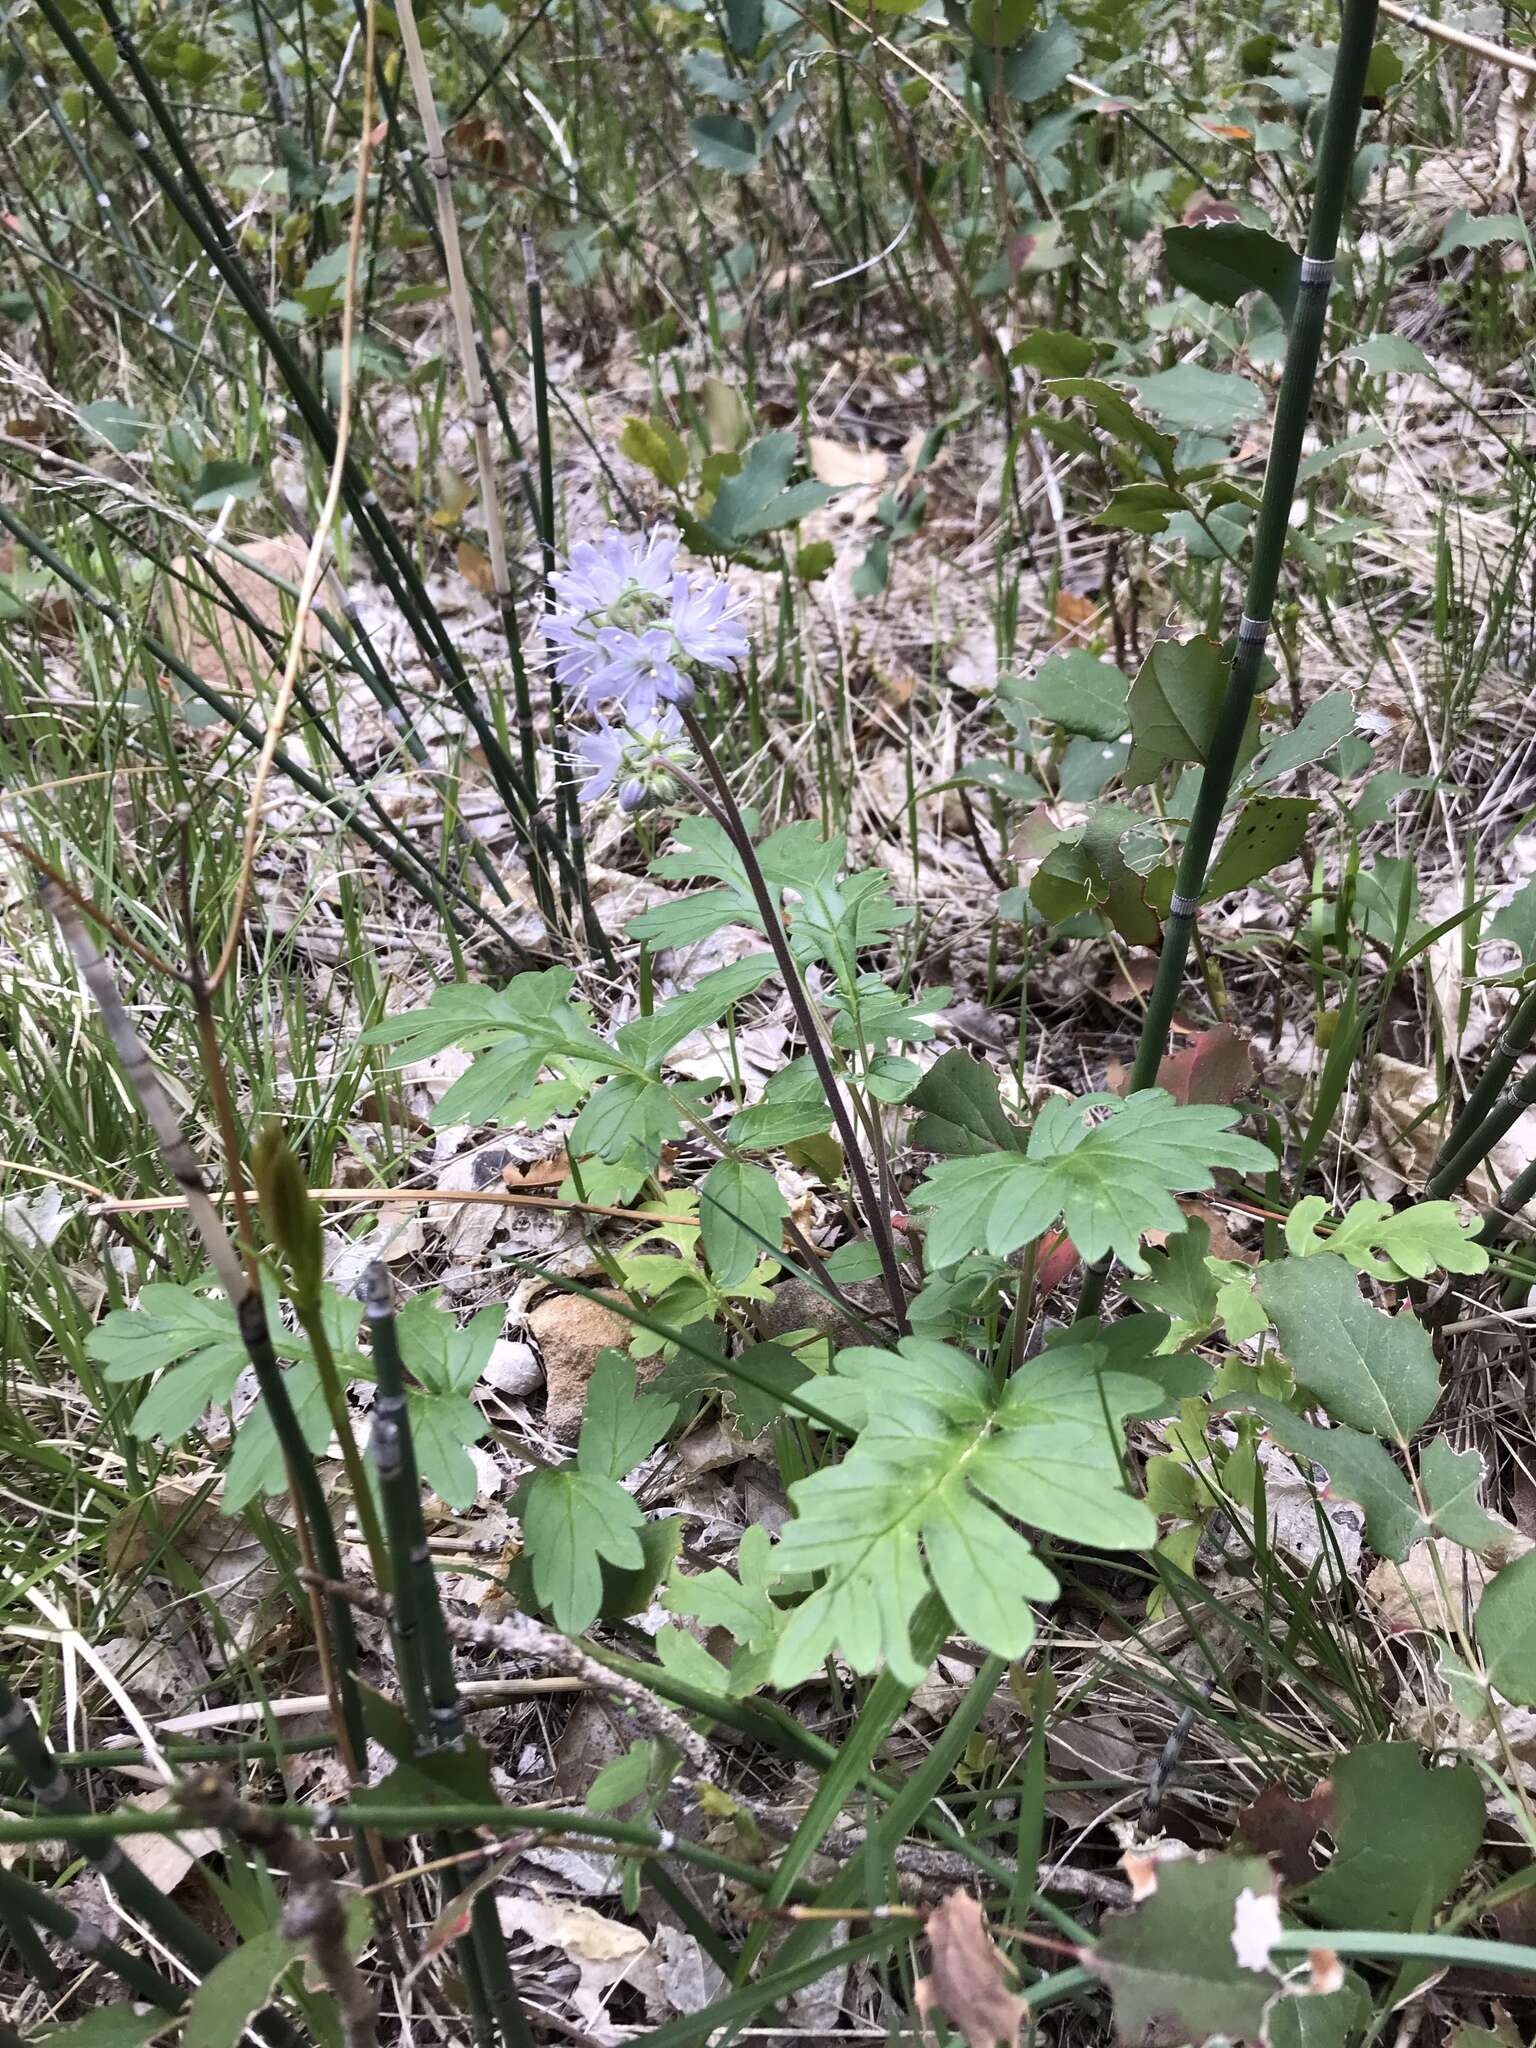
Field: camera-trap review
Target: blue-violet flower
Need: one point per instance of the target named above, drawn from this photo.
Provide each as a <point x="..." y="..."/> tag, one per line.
<point x="630" y="628"/>
<point x="635" y="761"/>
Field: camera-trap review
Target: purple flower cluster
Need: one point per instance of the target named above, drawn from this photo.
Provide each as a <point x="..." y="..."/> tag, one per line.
<point x="636" y="761"/>
<point x="630" y="627"/>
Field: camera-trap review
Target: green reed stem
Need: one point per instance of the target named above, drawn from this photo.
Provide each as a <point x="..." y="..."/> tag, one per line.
<point x="425" y="1652"/>
<point x="1512" y="1041"/>
<point x="34" y="1758"/>
<point x="1506" y="1112"/>
<point x="1335" y="162"/>
<point x="567" y="809"/>
<point x="31" y="1954"/>
<point x="29" y="1902"/>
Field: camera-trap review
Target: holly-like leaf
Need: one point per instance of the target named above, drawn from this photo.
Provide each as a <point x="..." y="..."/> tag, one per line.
<point x="1515" y="923"/>
<point x="725" y="143"/>
<point x="1076" y="691"/>
<point x="1109" y="1181"/>
<point x="1451" y="1480"/>
<point x="618" y="1426"/>
<point x="1402" y="1244"/>
<point x="759" y="498"/>
<point x="941" y="1466"/>
<point x="1373" y="1371"/>
<point x="1359" y="1468"/>
<point x="1172" y="1964"/>
<point x="961" y="1114"/>
<point x="1225" y="261"/>
<point x="1405" y="1835"/>
<point x="237" y="1987"/>
<point x="571" y="1519"/>
<point x="1321" y="726"/>
<point x="741" y="1213"/>
<point x="1196" y="401"/>
<point x="1506" y="1630"/>
<point x="1175" y="704"/>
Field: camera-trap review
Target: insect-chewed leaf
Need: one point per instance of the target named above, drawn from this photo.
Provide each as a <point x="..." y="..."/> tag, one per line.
<point x="1110" y="1182"/>
<point x="1405" y="1835"/>
<point x="1172" y="1964"/>
<point x="969" y="1979"/>
<point x="941" y="1467"/>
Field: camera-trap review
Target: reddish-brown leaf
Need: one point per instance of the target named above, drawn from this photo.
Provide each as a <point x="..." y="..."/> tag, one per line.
<point x="1284" y="1829"/>
<point x="1217" y="1067"/>
<point x="969" y="1979"/>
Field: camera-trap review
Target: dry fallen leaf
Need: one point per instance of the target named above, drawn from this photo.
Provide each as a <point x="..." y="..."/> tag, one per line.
<point x="969" y="1979"/>
<point x="836" y="463"/>
<point x="219" y="647"/>
<point x="1284" y="1829"/>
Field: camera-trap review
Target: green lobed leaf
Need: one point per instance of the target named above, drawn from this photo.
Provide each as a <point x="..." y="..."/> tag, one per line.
<point x="571" y="1519"/>
<point x="940" y="1468"/>
<point x="1373" y="1371"/>
<point x="1110" y="1181"/>
<point x="618" y="1426"/>
<point x="1403" y="1244"/>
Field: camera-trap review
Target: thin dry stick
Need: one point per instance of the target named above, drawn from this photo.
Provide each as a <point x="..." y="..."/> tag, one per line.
<point x="314" y="561"/>
<point x="314" y="1911"/>
<point x="458" y="298"/>
<point x="139" y="1205"/>
<point x="520" y="1636"/>
<point x="139" y="1071"/>
<point x="1460" y="38"/>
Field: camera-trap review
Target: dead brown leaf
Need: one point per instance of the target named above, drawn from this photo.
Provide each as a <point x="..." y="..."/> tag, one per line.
<point x="1284" y="1829"/>
<point x="219" y="647"/>
<point x="969" y="1979"/>
<point x="838" y="464"/>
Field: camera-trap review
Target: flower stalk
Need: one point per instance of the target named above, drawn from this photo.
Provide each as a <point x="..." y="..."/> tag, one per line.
<point x="728" y="815"/>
